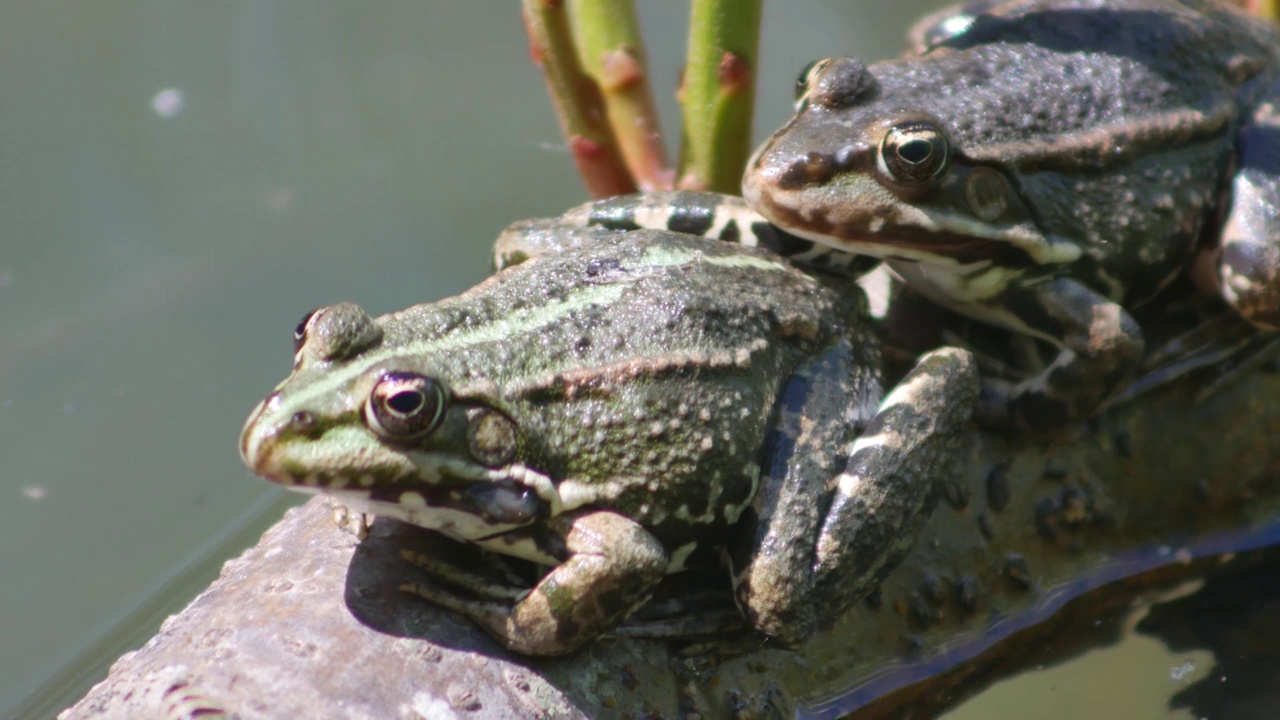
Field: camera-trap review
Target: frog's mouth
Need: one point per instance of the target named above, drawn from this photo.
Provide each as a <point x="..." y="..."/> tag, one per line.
<point x="464" y="511"/>
<point x="926" y="247"/>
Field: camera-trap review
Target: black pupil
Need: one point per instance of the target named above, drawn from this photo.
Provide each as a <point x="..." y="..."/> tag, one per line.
<point x="300" y="332"/>
<point x="915" y="151"/>
<point x="803" y="80"/>
<point x="406" y="401"/>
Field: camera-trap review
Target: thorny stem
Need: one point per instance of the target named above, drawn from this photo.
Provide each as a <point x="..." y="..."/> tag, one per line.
<point x="718" y="92"/>
<point x="576" y="99"/>
<point x="612" y="51"/>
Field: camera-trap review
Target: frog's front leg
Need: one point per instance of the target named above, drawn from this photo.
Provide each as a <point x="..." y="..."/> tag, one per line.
<point x="609" y="567"/>
<point x="835" y="515"/>
<point x="1100" y="346"/>
<point x="1248" y="258"/>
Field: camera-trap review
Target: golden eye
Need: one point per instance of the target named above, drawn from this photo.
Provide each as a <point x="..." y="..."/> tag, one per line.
<point x="405" y="405"/>
<point x="913" y="152"/>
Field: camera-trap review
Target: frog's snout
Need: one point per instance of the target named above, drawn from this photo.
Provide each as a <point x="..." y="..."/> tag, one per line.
<point x="262" y="432"/>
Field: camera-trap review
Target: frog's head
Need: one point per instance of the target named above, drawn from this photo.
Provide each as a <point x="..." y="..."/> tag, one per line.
<point x="870" y="163"/>
<point x="371" y="419"/>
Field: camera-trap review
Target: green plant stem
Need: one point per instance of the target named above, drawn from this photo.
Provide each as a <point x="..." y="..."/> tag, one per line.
<point x="612" y="51"/>
<point x="718" y="93"/>
<point x="576" y="98"/>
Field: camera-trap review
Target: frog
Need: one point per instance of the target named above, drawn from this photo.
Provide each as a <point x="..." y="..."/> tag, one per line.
<point x="611" y="408"/>
<point x="1048" y="167"/>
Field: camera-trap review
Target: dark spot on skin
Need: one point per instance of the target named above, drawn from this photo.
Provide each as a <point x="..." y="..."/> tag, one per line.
<point x="731" y="233"/>
<point x="1123" y="443"/>
<point x="1017" y="571"/>
<point x="596" y="268"/>
<point x="697" y="503"/>
<point x="998" y="490"/>
<point x="812" y="168"/>
<point x="611" y="601"/>
<point x="915" y="643"/>
<point x="735" y="493"/>
<point x="966" y="594"/>
<point x="567" y="631"/>
<point x="617" y="213"/>
<point x="984" y="526"/>
<point x="693" y="220"/>
<point x="303" y="423"/>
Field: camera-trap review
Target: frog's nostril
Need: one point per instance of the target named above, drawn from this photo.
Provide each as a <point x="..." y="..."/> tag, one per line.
<point x="809" y="169"/>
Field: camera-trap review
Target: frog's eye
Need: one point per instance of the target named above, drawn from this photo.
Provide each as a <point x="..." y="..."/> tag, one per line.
<point x="802" y="80"/>
<point x="405" y="405"/>
<point x="300" y="332"/>
<point x="335" y="332"/>
<point x="913" y="152"/>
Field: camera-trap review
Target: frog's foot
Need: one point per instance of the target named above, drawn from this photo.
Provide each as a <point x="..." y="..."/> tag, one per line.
<point x="612" y="566"/>
<point x="355" y="523"/>
<point x="1212" y="341"/>
<point x="1100" y="346"/>
<point x="831" y="525"/>
<point x="1248" y="258"/>
<point x="1226" y="345"/>
<point x="1262" y="350"/>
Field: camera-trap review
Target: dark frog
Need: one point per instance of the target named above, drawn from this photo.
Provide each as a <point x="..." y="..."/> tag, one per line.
<point x="1046" y="167"/>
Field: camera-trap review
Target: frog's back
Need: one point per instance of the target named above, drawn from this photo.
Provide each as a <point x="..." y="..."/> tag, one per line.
<point x="1111" y="63"/>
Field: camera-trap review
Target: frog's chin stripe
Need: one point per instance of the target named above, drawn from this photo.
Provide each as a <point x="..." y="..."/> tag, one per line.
<point x="441" y="514"/>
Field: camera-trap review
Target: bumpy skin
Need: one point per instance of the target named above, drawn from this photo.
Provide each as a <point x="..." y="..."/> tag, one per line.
<point x="1053" y="164"/>
<point x="604" y="410"/>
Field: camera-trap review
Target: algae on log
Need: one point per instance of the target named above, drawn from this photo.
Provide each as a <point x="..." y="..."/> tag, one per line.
<point x="307" y="624"/>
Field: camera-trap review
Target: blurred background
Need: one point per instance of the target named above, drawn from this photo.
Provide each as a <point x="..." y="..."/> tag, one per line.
<point x="179" y="183"/>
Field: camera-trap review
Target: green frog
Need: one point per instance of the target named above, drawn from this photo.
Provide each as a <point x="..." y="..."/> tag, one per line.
<point x="607" y="409"/>
<point x="1048" y="166"/>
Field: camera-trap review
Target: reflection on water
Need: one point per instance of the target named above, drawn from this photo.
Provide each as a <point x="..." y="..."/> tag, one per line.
<point x="1205" y="648"/>
<point x="1236" y="617"/>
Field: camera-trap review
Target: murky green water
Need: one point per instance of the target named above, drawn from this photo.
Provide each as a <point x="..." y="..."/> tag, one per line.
<point x="179" y="183"/>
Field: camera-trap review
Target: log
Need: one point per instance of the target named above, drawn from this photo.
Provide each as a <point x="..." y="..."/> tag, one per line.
<point x="310" y="623"/>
